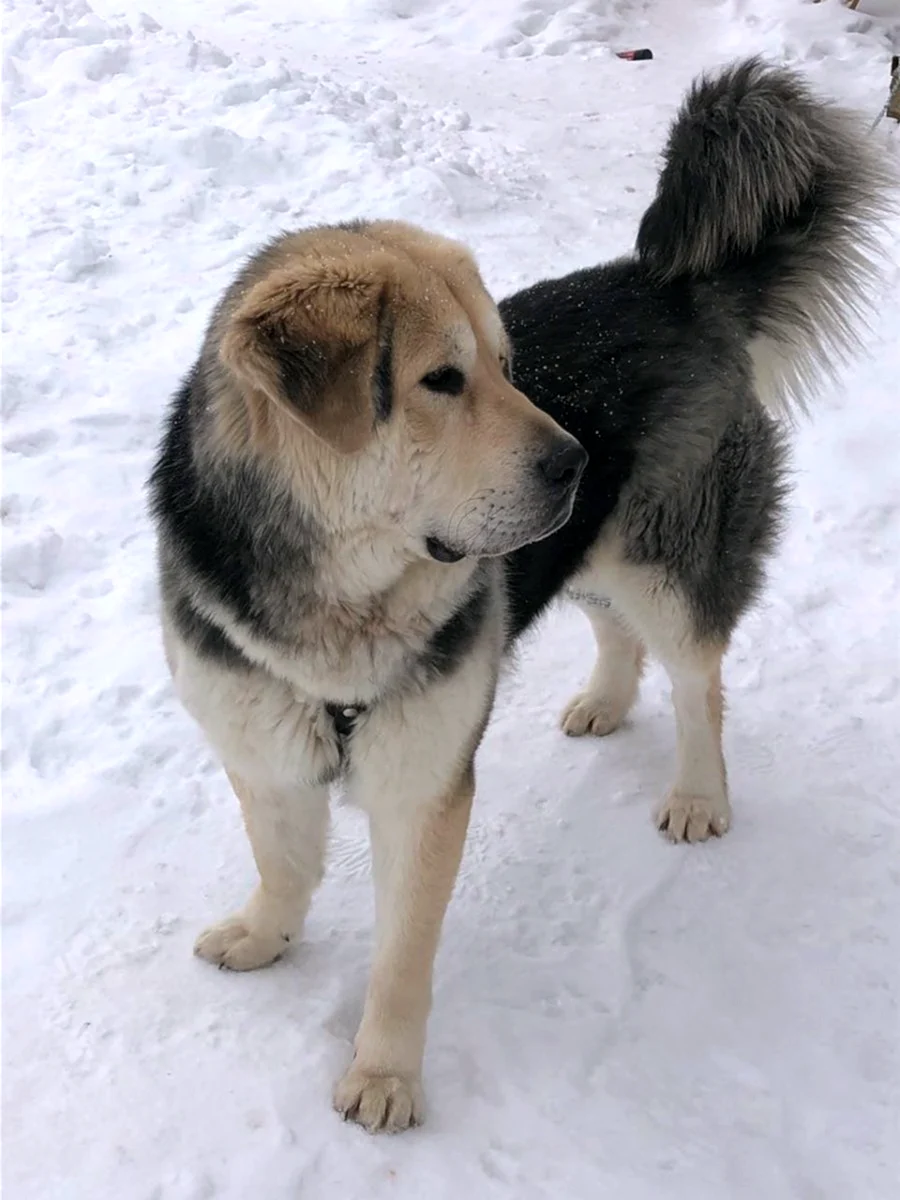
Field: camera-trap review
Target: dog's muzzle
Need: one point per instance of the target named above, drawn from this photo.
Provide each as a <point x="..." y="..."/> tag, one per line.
<point x="562" y="468"/>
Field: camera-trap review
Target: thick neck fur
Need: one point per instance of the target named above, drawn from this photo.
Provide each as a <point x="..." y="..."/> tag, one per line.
<point x="326" y="587"/>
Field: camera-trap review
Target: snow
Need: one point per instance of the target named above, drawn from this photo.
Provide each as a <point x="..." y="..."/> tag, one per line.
<point x="614" y="1016"/>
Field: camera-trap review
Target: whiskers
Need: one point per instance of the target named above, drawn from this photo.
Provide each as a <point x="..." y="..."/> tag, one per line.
<point x="468" y="519"/>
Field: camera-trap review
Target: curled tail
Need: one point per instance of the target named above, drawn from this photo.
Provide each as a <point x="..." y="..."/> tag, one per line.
<point x="777" y="197"/>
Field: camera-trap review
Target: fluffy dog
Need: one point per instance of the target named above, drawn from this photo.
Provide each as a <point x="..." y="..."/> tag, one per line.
<point x="359" y="512"/>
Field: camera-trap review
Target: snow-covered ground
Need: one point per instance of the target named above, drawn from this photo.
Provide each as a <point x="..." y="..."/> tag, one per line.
<point x="614" y="1016"/>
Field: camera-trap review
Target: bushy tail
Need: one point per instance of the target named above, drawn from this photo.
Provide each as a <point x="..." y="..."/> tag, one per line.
<point x="779" y="197"/>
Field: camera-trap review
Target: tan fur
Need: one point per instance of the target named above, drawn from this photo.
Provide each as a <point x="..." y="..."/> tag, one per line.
<point x="613" y="686"/>
<point x="413" y="775"/>
<point x="331" y="304"/>
<point x="462" y="467"/>
<point x="373" y="488"/>
<point x="450" y="462"/>
<point x="415" y="870"/>
<point x="328" y="286"/>
<point x="348" y="466"/>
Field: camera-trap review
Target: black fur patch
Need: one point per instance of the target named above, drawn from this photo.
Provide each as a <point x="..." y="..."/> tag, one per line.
<point x="237" y="532"/>
<point x="592" y="350"/>
<point x="645" y="361"/>
<point x="714" y="529"/>
<point x="741" y="161"/>
<point x="448" y="646"/>
<point x="614" y="356"/>
<point x="766" y="199"/>
<point x="302" y="370"/>
<point x="205" y="638"/>
<point x="383" y="382"/>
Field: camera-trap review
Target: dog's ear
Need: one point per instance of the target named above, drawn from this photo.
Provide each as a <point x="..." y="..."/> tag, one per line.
<point x="307" y="337"/>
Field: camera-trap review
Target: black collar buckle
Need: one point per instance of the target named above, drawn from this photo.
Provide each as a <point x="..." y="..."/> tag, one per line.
<point x="344" y="717"/>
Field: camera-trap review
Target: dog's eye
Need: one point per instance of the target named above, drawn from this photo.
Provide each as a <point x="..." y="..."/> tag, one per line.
<point x="448" y="381"/>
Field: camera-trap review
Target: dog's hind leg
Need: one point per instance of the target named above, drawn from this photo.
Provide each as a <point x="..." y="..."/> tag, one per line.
<point x="697" y="806"/>
<point x="613" y="686"/>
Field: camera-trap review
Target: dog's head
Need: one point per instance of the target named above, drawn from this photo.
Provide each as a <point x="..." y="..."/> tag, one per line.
<point x="372" y="363"/>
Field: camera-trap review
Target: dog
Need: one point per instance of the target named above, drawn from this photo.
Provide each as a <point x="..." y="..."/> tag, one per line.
<point x="374" y="480"/>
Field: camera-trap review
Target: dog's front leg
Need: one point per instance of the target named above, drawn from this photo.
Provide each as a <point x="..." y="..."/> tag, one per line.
<point x="279" y="753"/>
<point x="411" y="770"/>
<point x="415" y="857"/>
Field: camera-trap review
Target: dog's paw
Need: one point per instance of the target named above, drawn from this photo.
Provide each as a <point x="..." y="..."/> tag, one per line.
<point x="380" y="1103"/>
<point x="589" y="713"/>
<point x="686" y="818"/>
<point x="232" y="944"/>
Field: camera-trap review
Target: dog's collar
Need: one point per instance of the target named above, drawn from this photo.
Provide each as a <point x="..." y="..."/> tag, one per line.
<point x="344" y="718"/>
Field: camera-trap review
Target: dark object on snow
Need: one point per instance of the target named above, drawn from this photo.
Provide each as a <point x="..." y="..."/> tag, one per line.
<point x="893" y="105"/>
<point x="634" y="55"/>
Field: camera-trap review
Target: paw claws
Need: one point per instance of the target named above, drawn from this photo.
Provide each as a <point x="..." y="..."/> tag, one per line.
<point x="685" y="818"/>
<point x="379" y="1103"/>
<point x="589" y="714"/>
<point x="232" y="946"/>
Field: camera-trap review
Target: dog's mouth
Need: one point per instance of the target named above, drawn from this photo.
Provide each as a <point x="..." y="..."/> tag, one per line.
<point x="496" y="546"/>
<point x="441" y="552"/>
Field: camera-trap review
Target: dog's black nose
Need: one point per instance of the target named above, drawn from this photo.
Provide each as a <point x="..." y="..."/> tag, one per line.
<point x="562" y="467"/>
